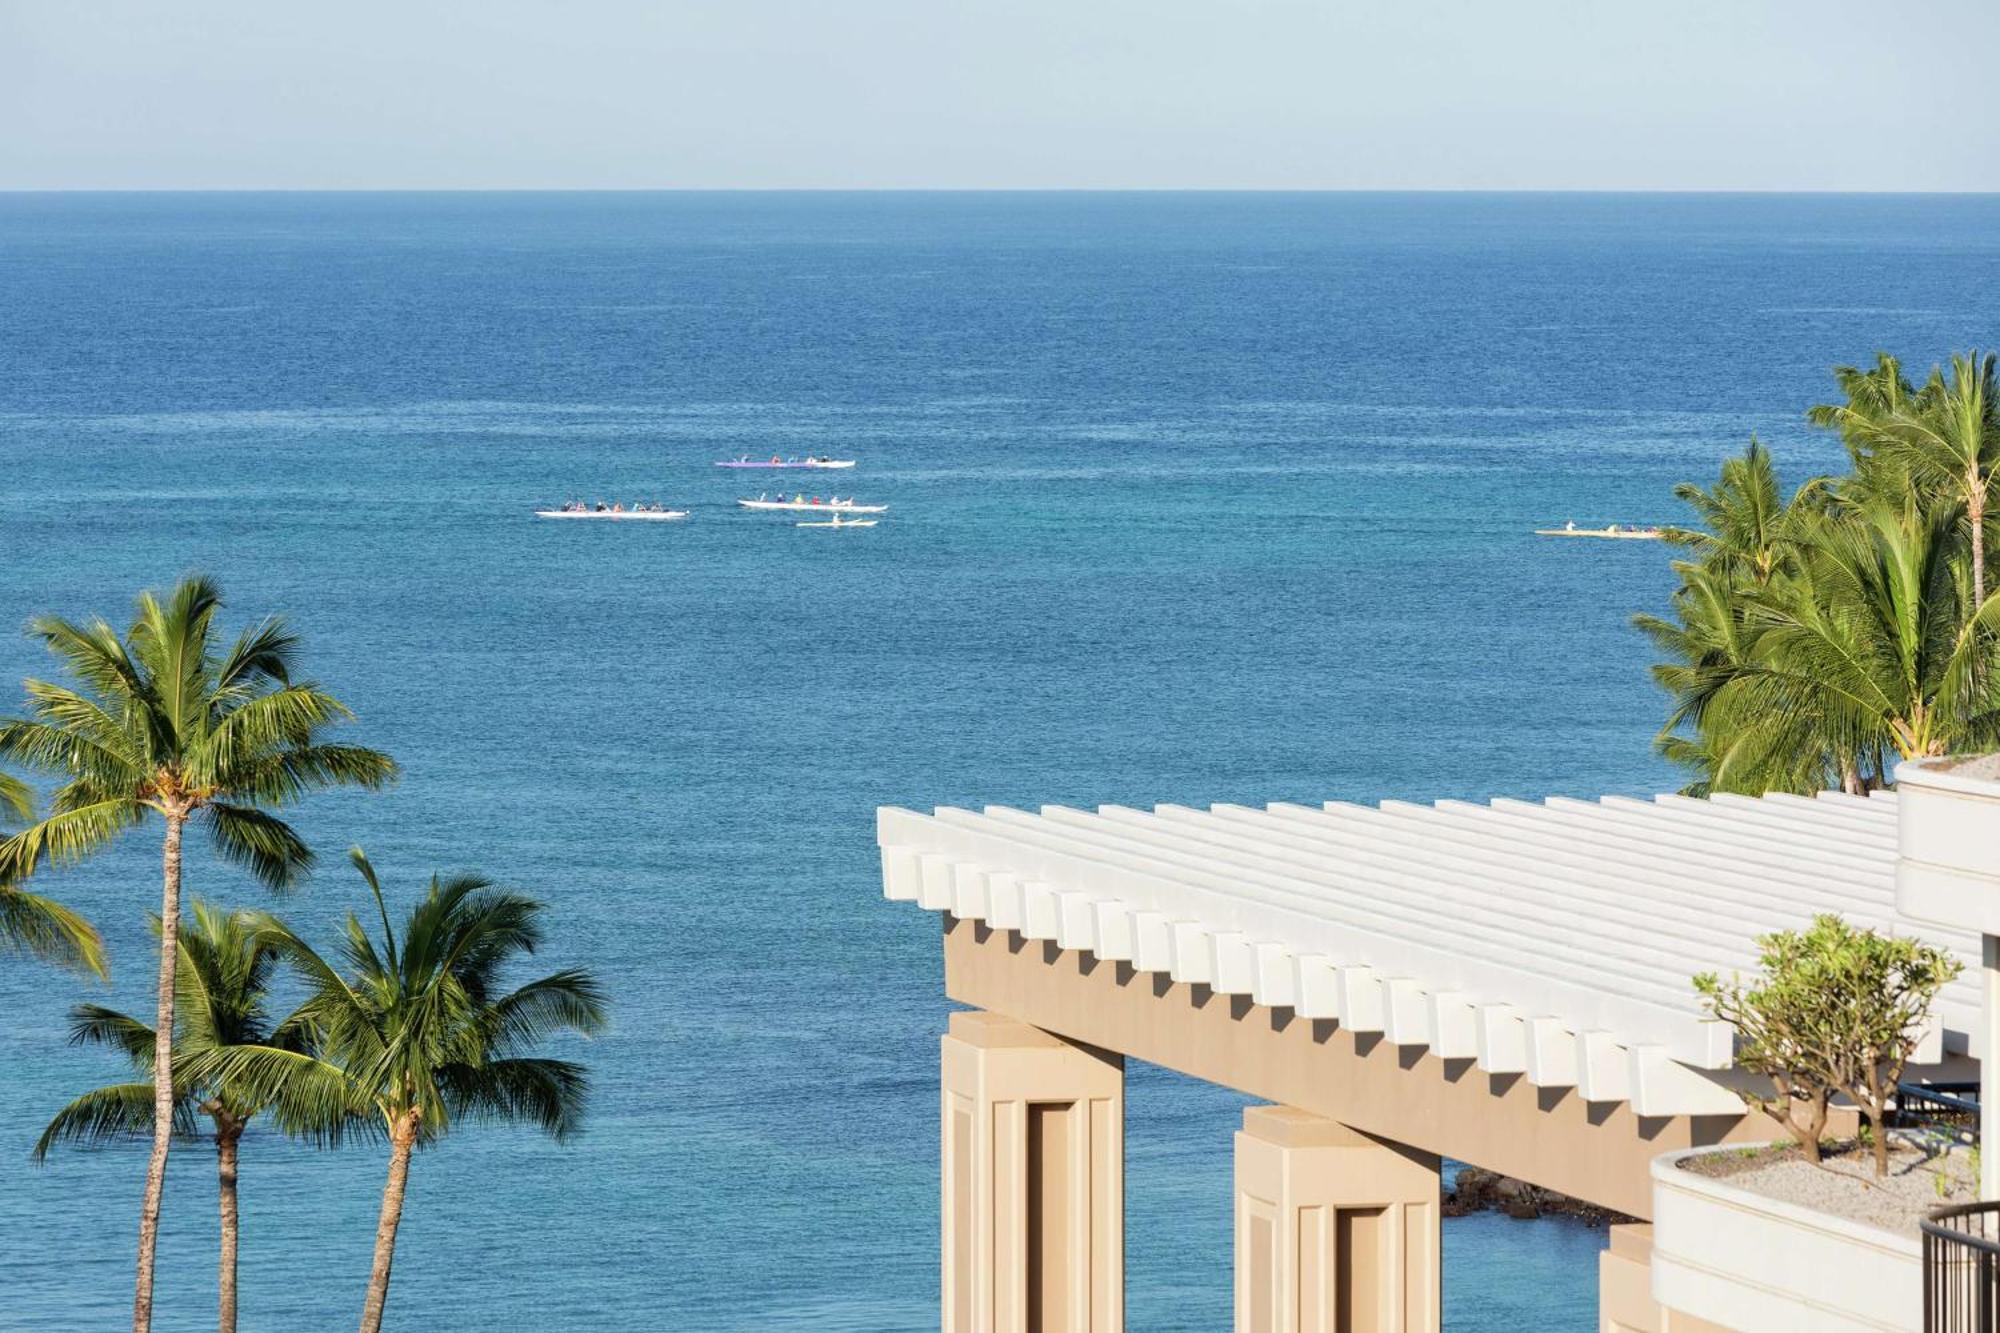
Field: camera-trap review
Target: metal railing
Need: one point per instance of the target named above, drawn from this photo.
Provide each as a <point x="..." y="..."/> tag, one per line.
<point x="1962" y="1269"/>
<point x="1952" y="1108"/>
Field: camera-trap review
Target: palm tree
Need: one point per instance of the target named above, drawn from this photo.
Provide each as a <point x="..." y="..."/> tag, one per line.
<point x="1746" y="549"/>
<point x="1882" y="646"/>
<point x="408" y="1038"/>
<point x="223" y="980"/>
<point x="34" y="925"/>
<point x="1743" y="513"/>
<point x="1944" y="438"/>
<point x="168" y="722"/>
<point x="1708" y="728"/>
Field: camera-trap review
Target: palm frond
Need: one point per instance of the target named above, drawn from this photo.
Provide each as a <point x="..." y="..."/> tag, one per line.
<point x="17" y="802"/>
<point x="266" y="652"/>
<point x="105" y="1115"/>
<point x="567" y="1001"/>
<point x="551" y="1095"/>
<point x="43" y="928"/>
<point x="96" y="1025"/>
<point x="260" y="842"/>
<point x="68" y="835"/>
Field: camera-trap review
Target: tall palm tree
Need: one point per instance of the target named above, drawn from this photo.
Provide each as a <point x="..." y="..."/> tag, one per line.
<point x="1883" y="644"/>
<point x="223" y="982"/>
<point x="30" y="923"/>
<point x="169" y="722"/>
<point x="1944" y="438"/>
<point x="1709" y="649"/>
<point x="408" y="1038"/>
<point x="1743" y="514"/>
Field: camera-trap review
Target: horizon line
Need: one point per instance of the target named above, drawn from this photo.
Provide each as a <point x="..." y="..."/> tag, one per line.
<point x="986" y="189"/>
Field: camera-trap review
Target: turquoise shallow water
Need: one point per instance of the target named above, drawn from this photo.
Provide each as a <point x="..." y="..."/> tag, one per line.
<point x="1195" y="498"/>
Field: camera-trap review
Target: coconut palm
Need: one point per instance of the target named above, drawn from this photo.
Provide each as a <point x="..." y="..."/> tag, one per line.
<point x="1709" y="729"/>
<point x="1745" y="549"/>
<point x="405" y="1039"/>
<point x="1944" y="438"/>
<point x="1883" y="641"/>
<point x="167" y="721"/>
<point x="222" y="981"/>
<point x="1743" y="514"/>
<point x="31" y="924"/>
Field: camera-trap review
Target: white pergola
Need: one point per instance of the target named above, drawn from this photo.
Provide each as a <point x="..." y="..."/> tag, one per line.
<point x="1554" y="940"/>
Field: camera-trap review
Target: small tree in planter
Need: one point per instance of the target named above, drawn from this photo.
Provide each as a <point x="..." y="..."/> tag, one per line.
<point x="1835" y="1010"/>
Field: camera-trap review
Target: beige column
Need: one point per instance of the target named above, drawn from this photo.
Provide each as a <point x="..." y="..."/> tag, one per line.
<point x="1625" y="1301"/>
<point x="1336" y="1231"/>
<point x="1034" y="1181"/>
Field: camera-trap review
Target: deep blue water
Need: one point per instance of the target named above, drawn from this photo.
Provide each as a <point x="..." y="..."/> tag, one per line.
<point x="1195" y="498"/>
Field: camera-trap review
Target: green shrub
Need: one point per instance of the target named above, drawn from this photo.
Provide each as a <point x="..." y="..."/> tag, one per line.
<point x="1834" y="1010"/>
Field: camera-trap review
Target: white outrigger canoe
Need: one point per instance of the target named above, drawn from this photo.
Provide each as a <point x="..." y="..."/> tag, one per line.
<point x="828" y="506"/>
<point x="838" y="522"/>
<point x="811" y="462"/>
<point x="1616" y="532"/>
<point x="617" y="515"/>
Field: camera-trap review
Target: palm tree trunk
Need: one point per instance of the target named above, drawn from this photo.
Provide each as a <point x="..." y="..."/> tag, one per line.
<point x="163" y="1071"/>
<point x="402" y="1137"/>
<point x="1975" y="511"/>
<point x="227" y="1132"/>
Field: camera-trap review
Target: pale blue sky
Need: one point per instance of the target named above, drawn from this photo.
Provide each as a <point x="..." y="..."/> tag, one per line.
<point x="1287" y="94"/>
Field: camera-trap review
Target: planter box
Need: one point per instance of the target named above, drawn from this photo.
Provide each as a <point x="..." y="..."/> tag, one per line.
<point x="1948" y="845"/>
<point x="1738" y="1259"/>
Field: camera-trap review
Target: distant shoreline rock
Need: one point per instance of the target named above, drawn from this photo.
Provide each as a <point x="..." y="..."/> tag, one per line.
<point x="1476" y="1190"/>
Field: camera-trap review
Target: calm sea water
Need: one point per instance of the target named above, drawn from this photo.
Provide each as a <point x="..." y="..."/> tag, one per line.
<point x="1195" y="498"/>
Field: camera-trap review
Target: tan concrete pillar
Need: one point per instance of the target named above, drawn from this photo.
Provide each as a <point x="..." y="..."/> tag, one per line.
<point x="1034" y="1181"/>
<point x="1336" y="1231"/>
<point x="1625" y="1301"/>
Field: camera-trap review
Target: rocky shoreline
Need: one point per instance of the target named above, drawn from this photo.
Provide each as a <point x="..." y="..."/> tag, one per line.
<point x="1475" y="1190"/>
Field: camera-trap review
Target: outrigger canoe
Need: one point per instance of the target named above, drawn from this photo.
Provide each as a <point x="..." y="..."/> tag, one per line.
<point x="1613" y="533"/>
<point x="616" y="515"/>
<point x="829" y="506"/>
<point x="838" y="522"/>
<point x="788" y="462"/>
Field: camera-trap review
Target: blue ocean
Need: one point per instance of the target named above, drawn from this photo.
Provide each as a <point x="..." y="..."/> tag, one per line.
<point x="1193" y="498"/>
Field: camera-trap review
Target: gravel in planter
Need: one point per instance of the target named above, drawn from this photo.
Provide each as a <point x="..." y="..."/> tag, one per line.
<point x="1844" y="1183"/>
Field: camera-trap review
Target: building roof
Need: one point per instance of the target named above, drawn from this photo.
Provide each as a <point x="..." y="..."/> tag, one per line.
<point x="1554" y="940"/>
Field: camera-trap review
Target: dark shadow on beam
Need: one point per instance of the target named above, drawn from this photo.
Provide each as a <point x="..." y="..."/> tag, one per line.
<point x="1240" y="1007"/>
<point x="1706" y="1129"/>
<point x="1162" y="983"/>
<point x="1456" y="1068"/>
<point x="1281" y="1018"/>
<point x="1548" y="1099"/>
<point x="1124" y="974"/>
<point x="1323" y="1030"/>
<point x="1366" y="1042"/>
<point x="1598" y="1112"/>
<point x="1499" y="1085"/>
<point x="1409" y="1057"/>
